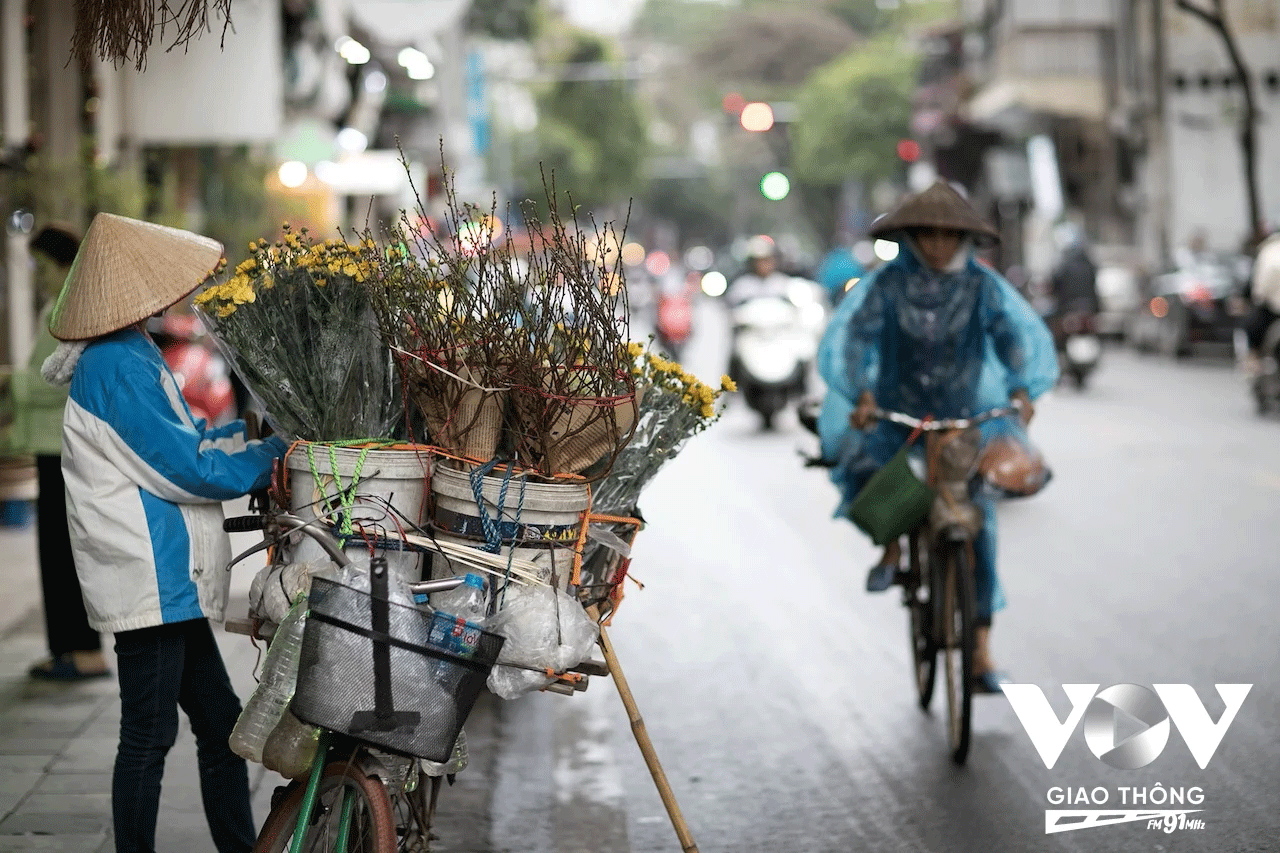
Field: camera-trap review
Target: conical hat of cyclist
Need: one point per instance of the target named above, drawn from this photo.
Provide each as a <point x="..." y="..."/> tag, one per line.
<point x="940" y="206"/>
<point x="127" y="270"/>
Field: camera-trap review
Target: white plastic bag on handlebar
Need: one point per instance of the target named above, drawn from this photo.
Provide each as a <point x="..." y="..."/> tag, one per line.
<point x="276" y="588"/>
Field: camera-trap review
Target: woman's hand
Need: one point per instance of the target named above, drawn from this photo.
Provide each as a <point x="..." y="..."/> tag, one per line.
<point x="863" y="414"/>
<point x="1022" y="402"/>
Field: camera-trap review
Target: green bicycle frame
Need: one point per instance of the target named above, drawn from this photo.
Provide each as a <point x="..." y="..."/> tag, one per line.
<point x="308" y="804"/>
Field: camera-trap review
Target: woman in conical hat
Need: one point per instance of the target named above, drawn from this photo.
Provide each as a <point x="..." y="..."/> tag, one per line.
<point x="145" y="482"/>
<point x="919" y="335"/>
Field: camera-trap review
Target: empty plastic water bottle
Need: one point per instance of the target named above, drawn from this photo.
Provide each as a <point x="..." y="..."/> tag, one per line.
<point x="271" y="699"/>
<point x="469" y="600"/>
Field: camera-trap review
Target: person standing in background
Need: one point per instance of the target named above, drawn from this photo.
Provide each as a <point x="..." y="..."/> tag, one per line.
<point x="75" y="648"/>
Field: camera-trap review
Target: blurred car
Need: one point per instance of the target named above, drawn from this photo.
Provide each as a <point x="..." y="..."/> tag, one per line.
<point x="1204" y="301"/>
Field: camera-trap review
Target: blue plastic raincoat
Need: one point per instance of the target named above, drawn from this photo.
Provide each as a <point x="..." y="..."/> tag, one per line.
<point x="946" y="344"/>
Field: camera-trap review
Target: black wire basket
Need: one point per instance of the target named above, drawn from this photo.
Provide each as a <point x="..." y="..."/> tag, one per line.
<point x="402" y="678"/>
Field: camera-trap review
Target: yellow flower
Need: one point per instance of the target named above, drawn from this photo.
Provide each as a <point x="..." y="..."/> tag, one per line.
<point x="727" y="384"/>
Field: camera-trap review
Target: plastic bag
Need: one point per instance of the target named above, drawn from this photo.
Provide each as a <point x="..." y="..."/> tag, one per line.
<point x="544" y="628"/>
<point x="1013" y="466"/>
<point x="275" y="588"/>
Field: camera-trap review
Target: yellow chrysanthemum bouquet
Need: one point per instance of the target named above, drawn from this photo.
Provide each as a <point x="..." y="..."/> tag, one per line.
<point x="674" y="405"/>
<point x="295" y="322"/>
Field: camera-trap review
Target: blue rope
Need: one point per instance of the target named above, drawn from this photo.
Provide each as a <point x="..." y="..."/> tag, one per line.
<point x="492" y="536"/>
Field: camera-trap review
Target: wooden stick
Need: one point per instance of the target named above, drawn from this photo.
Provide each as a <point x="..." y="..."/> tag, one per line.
<point x="646" y="746"/>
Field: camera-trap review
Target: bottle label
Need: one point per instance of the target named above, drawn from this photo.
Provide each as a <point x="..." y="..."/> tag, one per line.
<point x="454" y="634"/>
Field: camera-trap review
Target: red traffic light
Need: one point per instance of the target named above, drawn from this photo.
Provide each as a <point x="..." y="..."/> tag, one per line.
<point x="909" y="150"/>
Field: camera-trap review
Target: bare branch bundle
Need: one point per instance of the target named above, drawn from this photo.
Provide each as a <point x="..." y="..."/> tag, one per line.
<point x="574" y="399"/>
<point x="505" y="352"/>
<point x="123" y="30"/>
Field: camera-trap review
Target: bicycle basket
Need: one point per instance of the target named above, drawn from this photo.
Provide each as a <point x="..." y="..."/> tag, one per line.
<point x="892" y="502"/>
<point x="402" y="688"/>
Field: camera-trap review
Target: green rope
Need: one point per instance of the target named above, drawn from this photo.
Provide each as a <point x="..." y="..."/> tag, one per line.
<point x="347" y="496"/>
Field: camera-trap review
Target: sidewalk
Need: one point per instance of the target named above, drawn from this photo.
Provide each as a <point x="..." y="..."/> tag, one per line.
<point x="58" y="742"/>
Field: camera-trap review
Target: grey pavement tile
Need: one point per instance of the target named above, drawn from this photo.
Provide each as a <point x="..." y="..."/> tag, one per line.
<point x="73" y="783"/>
<point x="23" y="763"/>
<point x="67" y="804"/>
<point x="12" y="728"/>
<point x="19" y="745"/>
<point x="67" y="843"/>
<point x="53" y="824"/>
<point x="10" y="802"/>
<point x="23" y="707"/>
<point x="86" y="755"/>
<point x="20" y="782"/>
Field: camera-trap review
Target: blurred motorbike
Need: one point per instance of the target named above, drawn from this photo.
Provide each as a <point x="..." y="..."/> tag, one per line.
<point x="1079" y="347"/>
<point x="774" y="342"/>
<point x="674" y="322"/>
<point x="201" y="371"/>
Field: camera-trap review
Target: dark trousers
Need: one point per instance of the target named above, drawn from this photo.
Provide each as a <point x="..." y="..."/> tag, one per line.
<point x="162" y="669"/>
<point x="65" y="624"/>
<point x="1255" y="327"/>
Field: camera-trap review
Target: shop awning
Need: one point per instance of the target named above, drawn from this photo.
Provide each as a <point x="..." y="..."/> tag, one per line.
<point x="1012" y="97"/>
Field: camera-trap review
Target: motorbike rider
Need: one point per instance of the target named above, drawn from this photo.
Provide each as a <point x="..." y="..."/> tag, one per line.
<point x="914" y="336"/>
<point x="1073" y="283"/>
<point x="762" y="277"/>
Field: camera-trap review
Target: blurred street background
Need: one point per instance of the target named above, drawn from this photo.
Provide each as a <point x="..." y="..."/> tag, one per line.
<point x="777" y="692"/>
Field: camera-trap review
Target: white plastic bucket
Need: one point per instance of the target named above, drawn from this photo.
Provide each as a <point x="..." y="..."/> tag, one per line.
<point x="544" y="518"/>
<point x="388" y="481"/>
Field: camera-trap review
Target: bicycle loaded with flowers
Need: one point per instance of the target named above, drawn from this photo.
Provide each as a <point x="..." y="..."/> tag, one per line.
<point x="472" y="432"/>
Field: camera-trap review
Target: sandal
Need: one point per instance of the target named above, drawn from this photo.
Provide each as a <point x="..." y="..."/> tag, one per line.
<point x="63" y="668"/>
<point x="881" y="577"/>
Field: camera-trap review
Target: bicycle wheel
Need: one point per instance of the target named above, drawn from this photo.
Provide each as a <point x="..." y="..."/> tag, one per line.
<point x="370" y="827"/>
<point x="916" y="597"/>
<point x="956" y="583"/>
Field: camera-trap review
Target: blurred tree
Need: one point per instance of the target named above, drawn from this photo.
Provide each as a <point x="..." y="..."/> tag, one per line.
<point x="510" y="20"/>
<point x="864" y="16"/>
<point x="592" y="136"/>
<point x="851" y="115"/>
<point x="775" y="50"/>
<point x="697" y="206"/>
<point x="678" y="22"/>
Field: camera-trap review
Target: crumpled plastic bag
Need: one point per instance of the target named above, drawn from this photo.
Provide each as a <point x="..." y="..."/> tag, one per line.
<point x="544" y="628"/>
<point x="1013" y="466"/>
<point x="275" y="588"/>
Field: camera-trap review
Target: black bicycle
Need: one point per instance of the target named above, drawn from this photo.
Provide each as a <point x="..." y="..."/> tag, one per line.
<point x="938" y="581"/>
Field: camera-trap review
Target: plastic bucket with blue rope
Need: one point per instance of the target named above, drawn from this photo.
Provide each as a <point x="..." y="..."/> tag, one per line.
<point x="374" y="488"/>
<point x="498" y="511"/>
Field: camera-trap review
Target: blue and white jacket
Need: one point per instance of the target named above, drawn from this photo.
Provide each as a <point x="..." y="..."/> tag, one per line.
<point x="145" y="486"/>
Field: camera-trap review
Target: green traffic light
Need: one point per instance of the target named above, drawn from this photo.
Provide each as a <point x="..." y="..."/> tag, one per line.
<point x="775" y="186"/>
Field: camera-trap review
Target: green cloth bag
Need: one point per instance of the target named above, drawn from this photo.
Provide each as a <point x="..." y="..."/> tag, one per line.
<point x="893" y="502"/>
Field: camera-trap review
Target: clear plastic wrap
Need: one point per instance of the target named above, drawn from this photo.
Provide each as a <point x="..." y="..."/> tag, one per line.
<point x="544" y="628"/>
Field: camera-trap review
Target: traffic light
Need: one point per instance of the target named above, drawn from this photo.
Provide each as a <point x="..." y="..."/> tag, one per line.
<point x="775" y="186"/>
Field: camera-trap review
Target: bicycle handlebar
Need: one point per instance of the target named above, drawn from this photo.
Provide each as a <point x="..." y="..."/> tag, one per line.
<point x="244" y="523"/>
<point x="942" y="424"/>
<point x="327" y="542"/>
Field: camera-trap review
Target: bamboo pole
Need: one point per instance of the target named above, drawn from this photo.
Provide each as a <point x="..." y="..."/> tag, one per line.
<point x="646" y="746"/>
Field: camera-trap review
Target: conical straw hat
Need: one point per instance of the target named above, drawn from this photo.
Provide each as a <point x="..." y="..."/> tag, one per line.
<point x="127" y="270"/>
<point x="940" y="206"/>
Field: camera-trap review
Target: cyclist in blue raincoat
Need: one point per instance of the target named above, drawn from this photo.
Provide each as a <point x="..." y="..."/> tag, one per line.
<point x="934" y="332"/>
